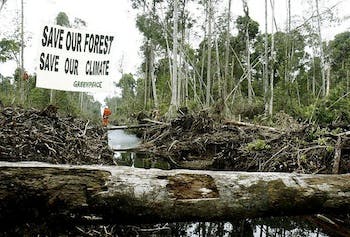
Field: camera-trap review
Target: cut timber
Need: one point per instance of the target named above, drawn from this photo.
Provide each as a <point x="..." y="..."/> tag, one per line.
<point x="30" y="191"/>
<point x="237" y="123"/>
<point x="128" y="149"/>
<point x="154" y="121"/>
<point x="150" y="123"/>
<point x="130" y="126"/>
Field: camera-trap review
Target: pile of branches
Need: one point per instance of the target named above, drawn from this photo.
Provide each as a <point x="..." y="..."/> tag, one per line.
<point x="33" y="135"/>
<point x="247" y="147"/>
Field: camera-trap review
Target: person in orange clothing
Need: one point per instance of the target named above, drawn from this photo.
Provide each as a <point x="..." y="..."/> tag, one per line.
<point x="106" y="113"/>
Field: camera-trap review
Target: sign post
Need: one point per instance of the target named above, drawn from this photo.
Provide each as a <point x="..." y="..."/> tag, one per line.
<point x="74" y="60"/>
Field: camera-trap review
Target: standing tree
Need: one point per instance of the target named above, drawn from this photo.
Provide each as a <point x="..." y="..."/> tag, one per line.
<point x="323" y="70"/>
<point x="272" y="57"/>
<point x="174" y="103"/>
<point x="266" y="67"/>
<point x="2" y="2"/>
<point x="227" y="53"/>
<point x="247" y="40"/>
<point x="209" y="42"/>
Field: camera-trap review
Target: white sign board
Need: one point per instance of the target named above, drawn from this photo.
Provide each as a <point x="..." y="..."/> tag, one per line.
<point x="74" y="60"/>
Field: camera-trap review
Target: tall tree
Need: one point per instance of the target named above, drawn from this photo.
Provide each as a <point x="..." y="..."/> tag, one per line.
<point x="174" y="103"/>
<point x="209" y="43"/>
<point x="272" y="57"/>
<point x="227" y="52"/>
<point x="323" y="70"/>
<point x="248" y="62"/>
<point x="2" y="4"/>
<point x="266" y="67"/>
<point x="22" y="84"/>
<point x="152" y="61"/>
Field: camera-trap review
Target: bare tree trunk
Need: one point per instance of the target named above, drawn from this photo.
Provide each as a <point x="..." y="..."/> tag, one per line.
<point x="323" y="72"/>
<point x="2" y="4"/>
<point x="347" y="80"/>
<point x="208" y="91"/>
<point x="328" y="78"/>
<point x="314" y="77"/>
<point x="146" y="81"/>
<point x="218" y="71"/>
<point x="174" y="100"/>
<point x="153" y="79"/>
<point x="289" y="44"/>
<point x="31" y="190"/>
<point x="249" y="71"/>
<point x="266" y="66"/>
<point x="81" y="100"/>
<point x="21" y="81"/>
<point x="52" y="96"/>
<point x="227" y="52"/>
<point x="272" y="57"/>
<point x="180" y="76"/>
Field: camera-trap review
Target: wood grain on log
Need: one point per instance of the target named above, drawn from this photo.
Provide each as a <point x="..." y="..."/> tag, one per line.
<point x="129" y="195"/>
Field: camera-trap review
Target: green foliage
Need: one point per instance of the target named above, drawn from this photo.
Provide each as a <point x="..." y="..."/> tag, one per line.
<point x="67" y="102"/>
<point x="340" y="54"/>
<point x="247" y="110"/>
<point x="62" y="19"/>
<point x="244" y="22"/>
<point x="39" y="97"/>
<point x="6" y="90"/>
<point x="257" y="145"/>
<point x="330" y="149"/>
<point x="151" y="29"/>
<point x="9" y="50"/>
<point x="124" y="107"/>
<point x="127" y="84"/>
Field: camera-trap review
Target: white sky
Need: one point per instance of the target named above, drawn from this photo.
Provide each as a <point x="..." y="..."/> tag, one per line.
<point x="117" y="17"/>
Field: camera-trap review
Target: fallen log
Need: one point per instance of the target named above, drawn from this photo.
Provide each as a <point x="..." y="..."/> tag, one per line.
<point x="238" y="123"/>
<point x="128" y="149"/>
<point x="120" y="127"/>
<point x="35" y="191"/>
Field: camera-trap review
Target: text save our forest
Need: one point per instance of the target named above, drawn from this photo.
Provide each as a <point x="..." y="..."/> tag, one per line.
<point x="53" y="37"/>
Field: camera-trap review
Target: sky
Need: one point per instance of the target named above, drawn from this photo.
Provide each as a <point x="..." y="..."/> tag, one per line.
<point x="117" y="17"/>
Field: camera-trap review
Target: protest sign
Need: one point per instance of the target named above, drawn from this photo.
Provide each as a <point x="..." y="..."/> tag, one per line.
<point x="74" y="60"/>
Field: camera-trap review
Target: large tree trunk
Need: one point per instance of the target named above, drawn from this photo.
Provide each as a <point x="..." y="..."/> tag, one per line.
<point x="273" y="57"/>
<point x="249" y="68"/>
<point x="266" y="66"/>
<point x="174" y="103"/>
<point x="152" y="76"/>
<point x="36" y="191"/>
<point x="227" y="53"/>
<point x="322" y="58"/>
<point x="210" y="18"/>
